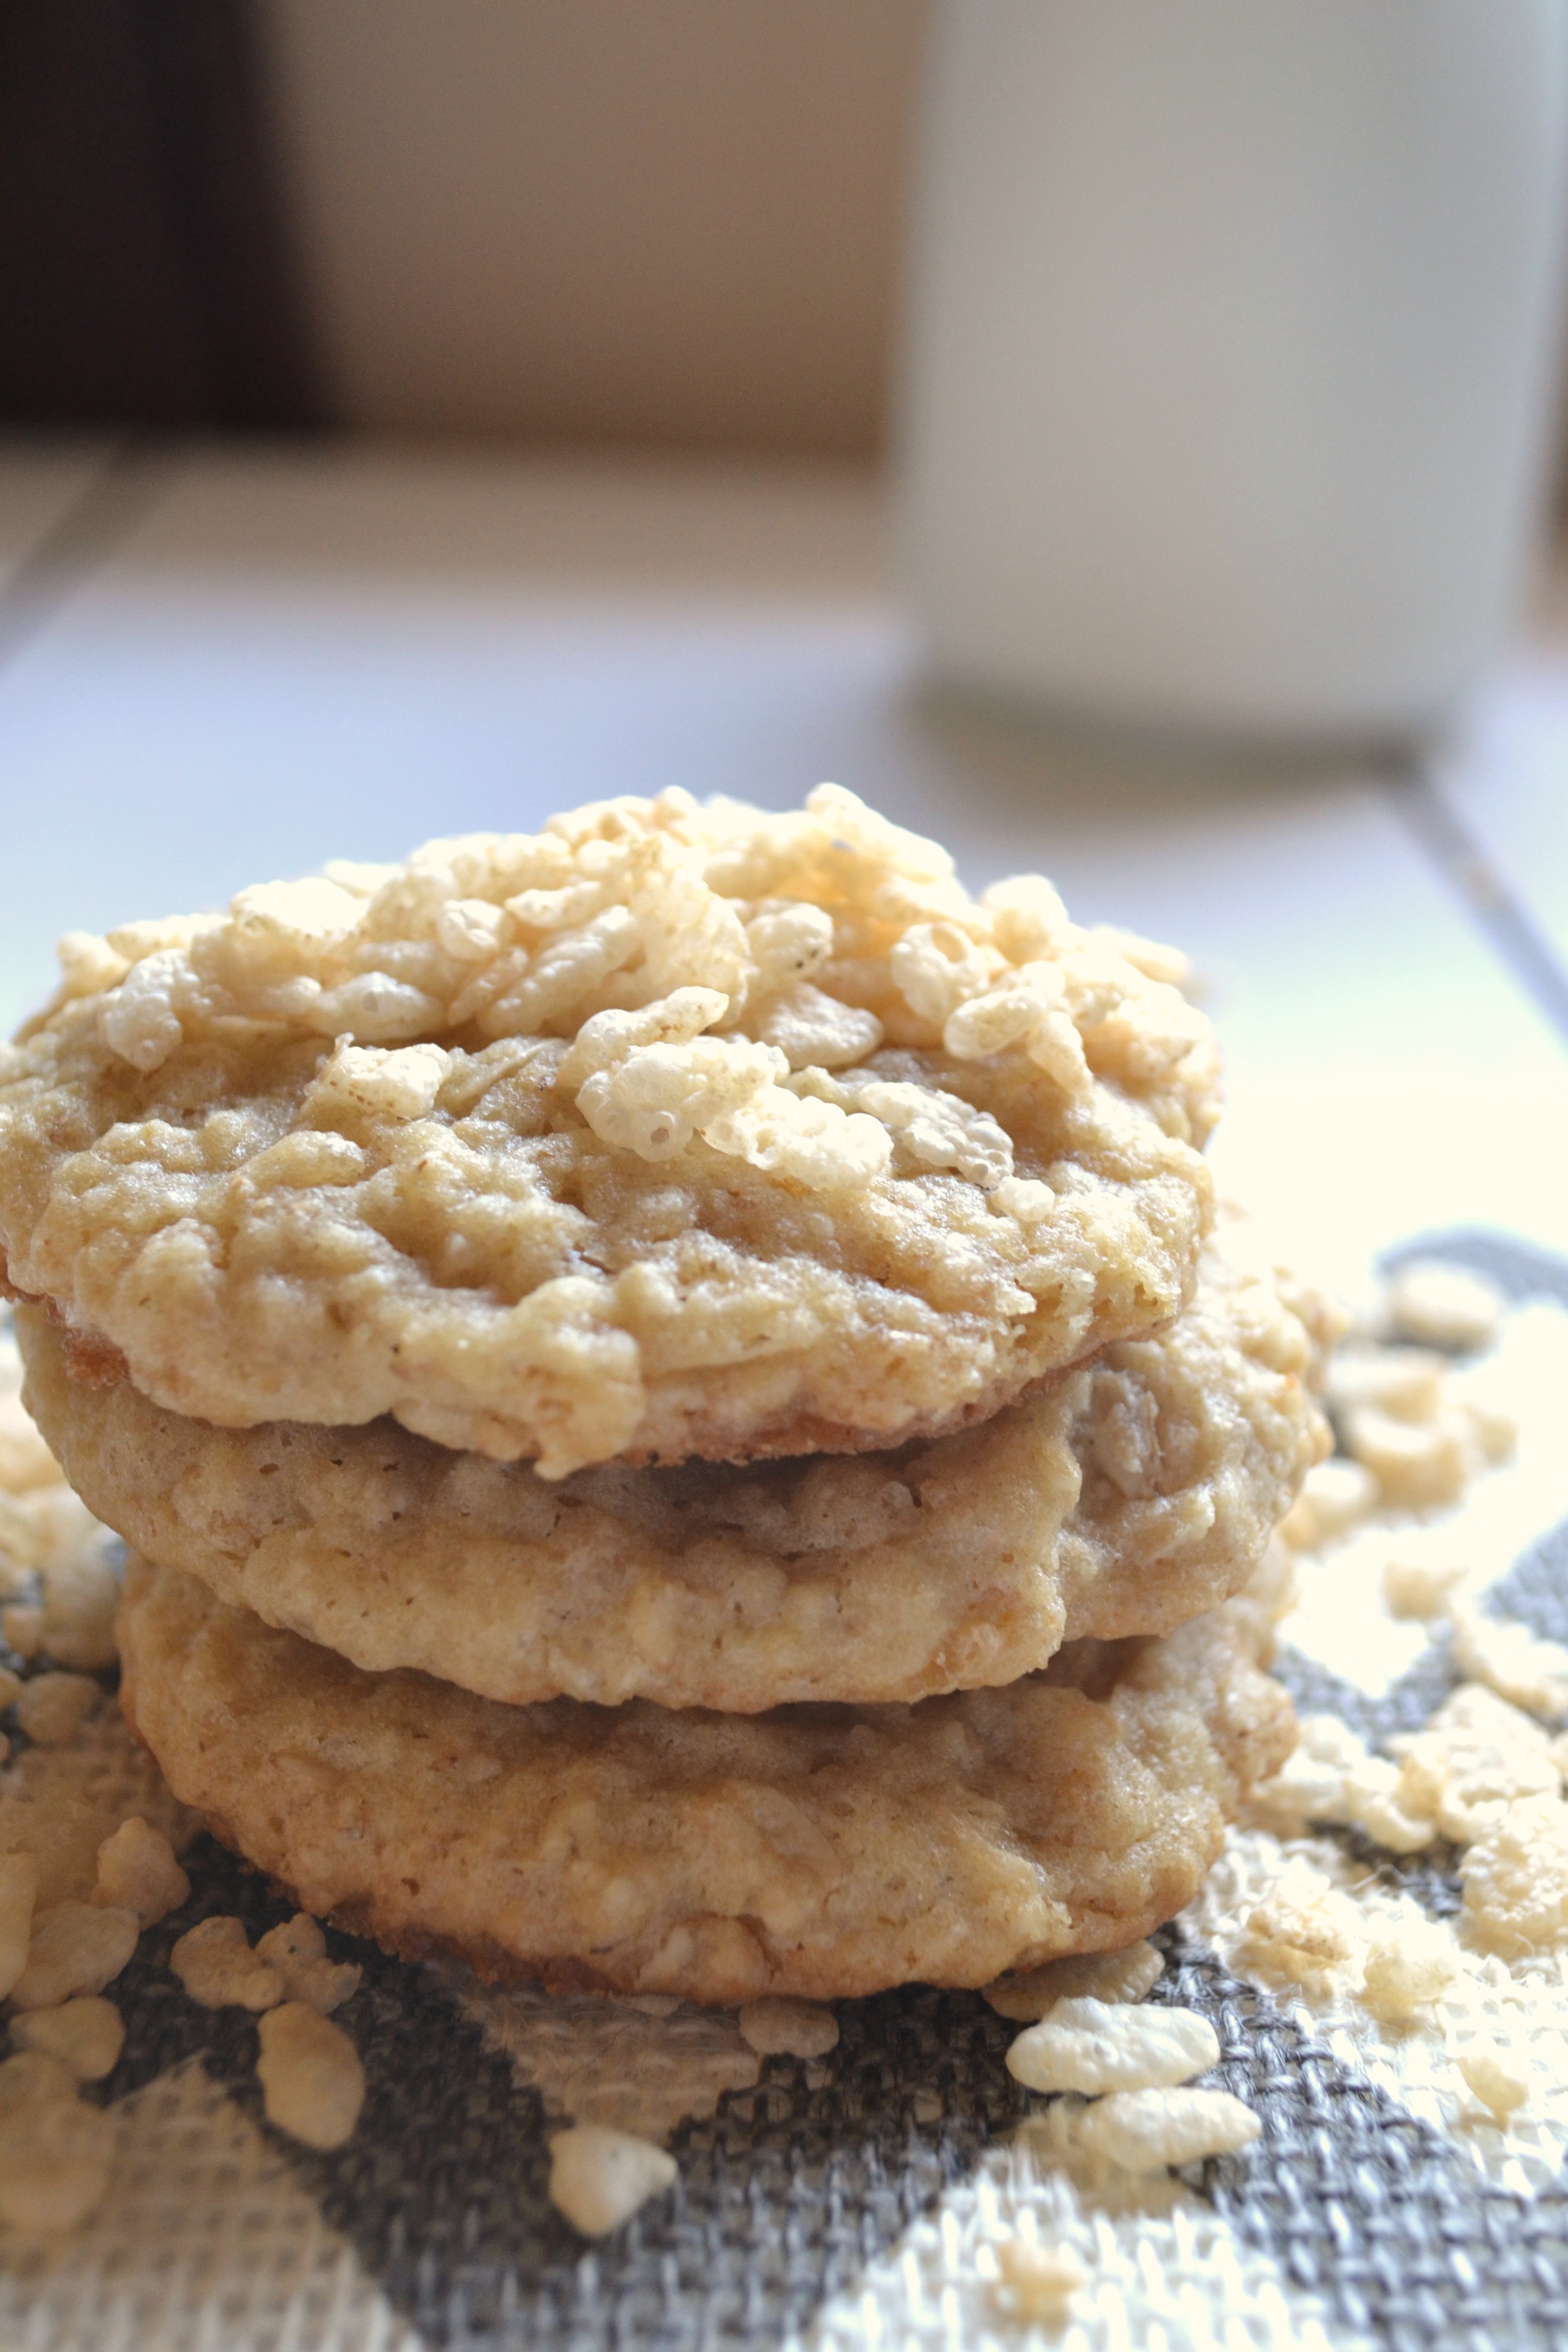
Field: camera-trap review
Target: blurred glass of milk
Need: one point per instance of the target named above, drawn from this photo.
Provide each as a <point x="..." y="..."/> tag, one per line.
<point x="1231" y="349"/>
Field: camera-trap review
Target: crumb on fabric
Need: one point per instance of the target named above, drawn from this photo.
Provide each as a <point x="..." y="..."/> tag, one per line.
<point x="1036" y="2283"/>
<point x="1419" y="1589"/>
<point x="298" y="1950"/>
<point x="1145" y="2131"/>
<point x="1477" y="1756"/>
<point x="1033" y="1993"/>
<point x="137" y="1872"/>
<point x="52" y="1707"/>
<point x="1335" y="1497"/>
<point x="1303" y="1929"/>
<point x="217" y="1968"/>
<point x="55" y="2151"/>
<point x="779" y="2025"/>
<point x="1407" y="1969"/>
<point x="22" y="1622"/>
<point x="18" y="1893"/>
<point x="85" y="2035"/>
<point x="1515" y="1878"/>
<point x="1442" y="1306"/>
<point x="76" y="1948"/>
<point x="1499" y="2076"/>
<point x="312" y="2081"/>
<point x="599" y="2178"/>
<point x="1510" y="1659"/>
<point x="1093" y="2046"/>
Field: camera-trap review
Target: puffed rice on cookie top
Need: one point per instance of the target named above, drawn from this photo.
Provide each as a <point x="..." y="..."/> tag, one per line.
<point x="667" y="1131"/>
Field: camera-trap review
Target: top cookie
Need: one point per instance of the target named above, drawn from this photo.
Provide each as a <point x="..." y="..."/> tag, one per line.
<point x="667" y="1131"/>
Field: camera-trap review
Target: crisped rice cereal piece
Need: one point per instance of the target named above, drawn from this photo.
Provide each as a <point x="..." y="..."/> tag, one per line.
<point x="218" y="1968"/>
<point x="298" y="1950"/>
<point x="796" y="2029"/>
<point x="1499" y="2076"/>
<point x="1515" y="1878"/>
<point x="1476" y="1757"/>
<point x="137" y="1872"/>
<point x="669" y="1131"/>
<point x="55" y="2152"/>
<point x="76" y="1948"/>
<point x="1303" y="1929"/>
<point x="1440" y="1306"/>
<point x="1420" y="1589"/>
<point x="1408" y="1968"/>
<point x="598" y="2178"/>
<point x="1335" y="1497"/>
<point x="1095" y="2045"/>
<point x="1510" y="1660"/>
<point x="1036" y="2283"/>
<point x="1144" y="2131"/>
<point x="821" y="1852"/>
<point x="313" y="2083"/>
<point x="18" y="1893"/>
<point x="1126" y="1975"/>
<point x="1124" y="1497"/>
<point x="85" y="2035"/>
<point x="52" y="1707"/>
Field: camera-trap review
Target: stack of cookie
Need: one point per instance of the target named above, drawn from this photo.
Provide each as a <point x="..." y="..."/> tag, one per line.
<point x="684" y="1420"/>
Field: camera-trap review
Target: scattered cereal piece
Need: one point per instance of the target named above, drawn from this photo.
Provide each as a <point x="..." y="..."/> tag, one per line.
<point x="598" y="2178"/>
<point x="1144" y="2131"/>
<point x="1335" y="1497"/>
<point x="1499" y="2076"/>
<point x="1419" y="1588"/>
<point x="1275" y="1584"/>
<point x="1494" y="1432"/>
<point x="1442" y="1306"/>
<point x="1515" y="1878"/>
<point x="218" y="1968"/>
<point x="11" y="1688"/>
<point x="1417" y="1464"/>
<point x="1126" y="1975"/>
<point x="81" y="1598"/>
<point x="1507" y="1657"/>
<point x="1037" y="2283"/>
<point x="85" y="2035"/>
<point x="796" y="2029"/>
<point x="298" y="1950"/>
<point x="1303" y="1929"/>
<point x="1375" y="1803"/>
<point x="313" y="2083"/>
<point x="1095" y="2045"/>
<point x="55" y="2152"/>
<point x="76" y="1948"/>
<point x="22" y="1622"/>
<point x="1476" y="1756"/>
<point x="1405" y="1382"/>
<point x="52" y="1709"/>
<point x="1407" y="1969"/>
<point x="18" y="1892"/>
<point x="1309" y="1785"/>
<point x="137" y="1872"/>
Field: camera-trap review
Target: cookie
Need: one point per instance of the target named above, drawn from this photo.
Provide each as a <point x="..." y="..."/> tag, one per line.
<point x="822" y="1851"/>
<point x="1121" y="1498"/>
<point x="669" y="1131"/>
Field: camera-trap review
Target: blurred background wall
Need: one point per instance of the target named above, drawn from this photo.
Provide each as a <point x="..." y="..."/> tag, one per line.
<point x="663" y="224"/>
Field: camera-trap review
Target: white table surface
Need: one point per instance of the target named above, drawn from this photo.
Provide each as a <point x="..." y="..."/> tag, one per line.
<point x="283" y="657"/>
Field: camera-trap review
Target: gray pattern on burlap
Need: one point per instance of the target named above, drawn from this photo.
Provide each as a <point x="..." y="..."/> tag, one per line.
<point x="788" y="2190"/>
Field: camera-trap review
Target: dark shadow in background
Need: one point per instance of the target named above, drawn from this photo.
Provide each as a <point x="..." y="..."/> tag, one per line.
<point x="147" y="272"/>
